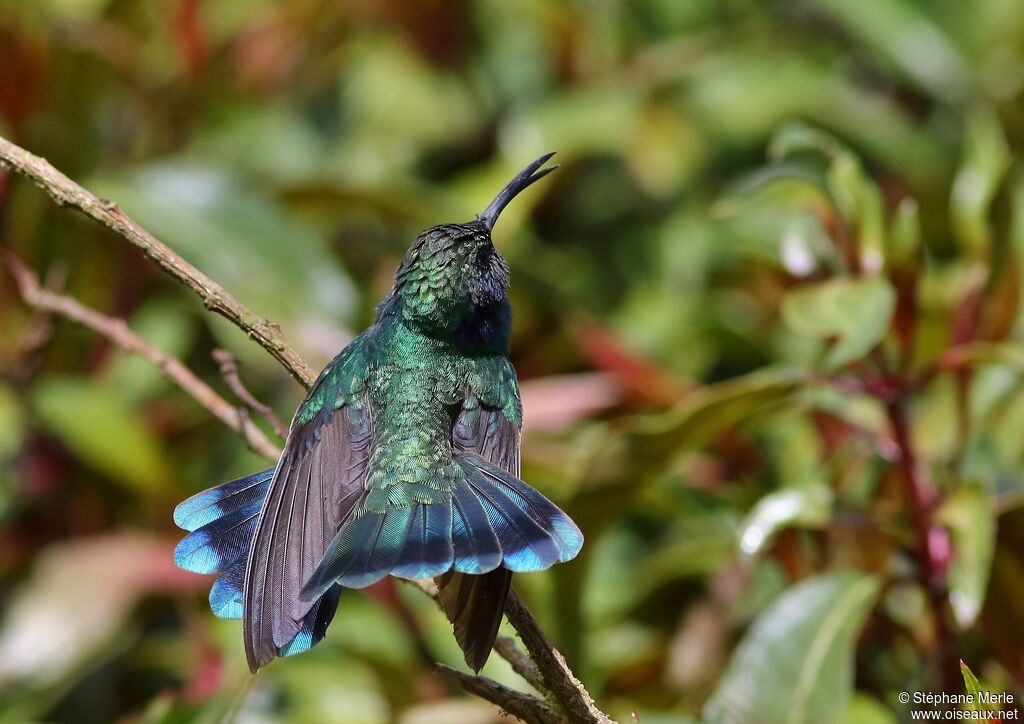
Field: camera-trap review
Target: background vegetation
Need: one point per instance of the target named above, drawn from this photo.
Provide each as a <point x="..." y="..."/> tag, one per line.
<point x="767" y="324"/>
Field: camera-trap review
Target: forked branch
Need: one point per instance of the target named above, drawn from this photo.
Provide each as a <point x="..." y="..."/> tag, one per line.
<point x="118" y="332"/>
<point x="545" y="669"/>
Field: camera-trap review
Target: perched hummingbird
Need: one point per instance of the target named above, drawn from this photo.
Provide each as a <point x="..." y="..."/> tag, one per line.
<point x="402" y="460"/>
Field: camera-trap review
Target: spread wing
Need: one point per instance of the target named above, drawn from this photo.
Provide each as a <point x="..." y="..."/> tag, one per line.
<point x="317" y="481"/>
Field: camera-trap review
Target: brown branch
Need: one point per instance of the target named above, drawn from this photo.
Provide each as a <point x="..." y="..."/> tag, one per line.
<point x="505" y="646"/>
<point x="528" y="708"/>
<point x="229" y="371"/>
<point x="558" y="678"/>
<point x="543" y="667"/>
<point x="120" y="334"/>
<point x="67" y="193"/>
<point x="554" y="674"/>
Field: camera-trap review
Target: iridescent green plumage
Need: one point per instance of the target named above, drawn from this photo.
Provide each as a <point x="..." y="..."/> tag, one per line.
<point x="416" y="363"/>
<point x="402" y="460"/>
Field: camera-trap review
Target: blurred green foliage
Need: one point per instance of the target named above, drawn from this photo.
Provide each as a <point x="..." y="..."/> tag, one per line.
<point x="781" y="230"/>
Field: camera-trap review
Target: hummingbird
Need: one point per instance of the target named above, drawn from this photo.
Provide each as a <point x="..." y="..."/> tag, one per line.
<point x="402" y="460"/>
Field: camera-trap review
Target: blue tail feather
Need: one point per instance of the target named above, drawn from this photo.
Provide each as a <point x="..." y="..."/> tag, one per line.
<point x="428" y="547"/>
<point x="221" y="522"/>
<point x="525" y="545"/>
<point x="365" y="549"/>
<point x="563" y="531"/>
<point x="491" y="519"/>
<point x="477" y="549"/>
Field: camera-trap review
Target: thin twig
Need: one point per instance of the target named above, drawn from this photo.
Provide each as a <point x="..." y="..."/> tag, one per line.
<point x="555" y="675"/>
<point x="67" y="193"/>
<point x="120" y="334"/>
<point x="229" y="371"/>
<point x="528" y="708"/>
<point x="520" y="662"/>
<point x="39" y="333"/>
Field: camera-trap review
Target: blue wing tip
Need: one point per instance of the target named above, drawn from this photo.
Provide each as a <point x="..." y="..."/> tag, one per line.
<point x="185" y="550"/>
<point x="572" y="540"/>
<point x="188" y="514"/>
<point x="202" y="508"/>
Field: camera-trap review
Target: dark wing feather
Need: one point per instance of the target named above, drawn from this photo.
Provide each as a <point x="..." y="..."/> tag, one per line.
<point x="209" y="505"/>
<point x="317" y="481"/>
<point x="475" y="603"/>
<point x="314" y="626"/>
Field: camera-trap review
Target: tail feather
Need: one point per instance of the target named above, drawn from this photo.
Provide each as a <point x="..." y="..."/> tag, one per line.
<point x="477" y="549"/>
<point x="364" y="550"/>
<point x="428" y="547"/>
<point x="559" y="526"/>
<point x="491" y="525"/>
<point x="491" y="519"/>
<point x="475" y="604"/>
<point x="410" y="542"/>
<point x="525" y="545"/>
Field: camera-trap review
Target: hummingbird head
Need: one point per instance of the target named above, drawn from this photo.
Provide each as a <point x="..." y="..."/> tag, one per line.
<point x="453" y="283"/>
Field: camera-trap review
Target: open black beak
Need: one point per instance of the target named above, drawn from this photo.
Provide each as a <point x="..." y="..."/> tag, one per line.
<point x="523" y="179"/>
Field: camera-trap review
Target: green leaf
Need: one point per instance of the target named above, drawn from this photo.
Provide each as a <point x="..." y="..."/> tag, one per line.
<point x="104" y="429"/>
<point x="11" y="424"/>
<point x="855" y="194"/>
<point x="905" y="232"/>
<point x="75" y="11"/>
<point x="855" y="311"/>
<point x="809" y="506"/>
<point x="860" y="204"/>
<point x="970" y="516"/>
<point x="710" y="410"/>
<point x="902" y="35"/>
<point x="986" y="158"/>
<point x="973" y="687"/>
<point x="794" y="138"/>
<point x="865" y="709"/>
<point x="795" y="664"/>
<point x="12" y="434"/>
<point x="778" y="187"/>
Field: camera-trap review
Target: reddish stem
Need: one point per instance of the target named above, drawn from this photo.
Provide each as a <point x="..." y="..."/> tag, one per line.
<point x="934" y="547"/>
<point x="922" y="497"/>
